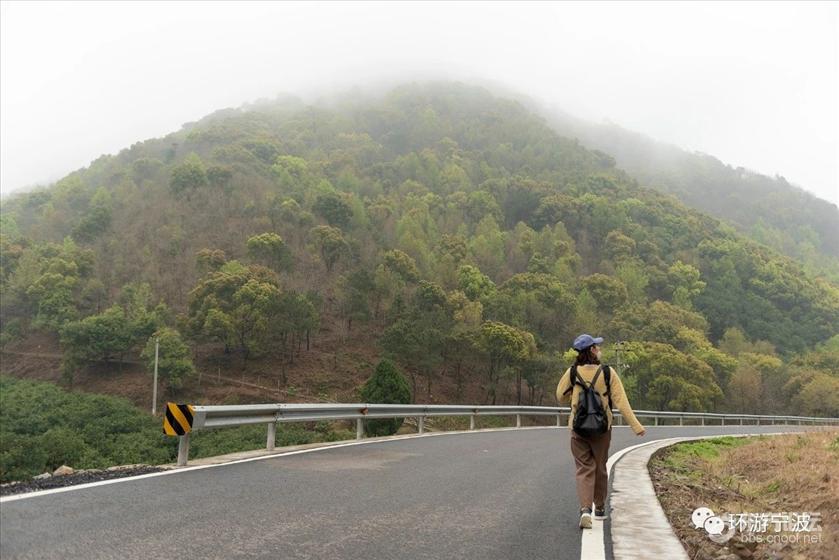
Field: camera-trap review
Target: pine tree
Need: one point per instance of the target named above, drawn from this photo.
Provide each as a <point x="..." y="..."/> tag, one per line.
<point x="387" y="385"/>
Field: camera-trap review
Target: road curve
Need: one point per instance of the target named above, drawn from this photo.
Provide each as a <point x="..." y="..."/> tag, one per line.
<point x="484" y="495"/>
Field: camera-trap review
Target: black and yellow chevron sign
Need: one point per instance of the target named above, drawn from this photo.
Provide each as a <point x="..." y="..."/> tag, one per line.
<point x="178" y="419"/>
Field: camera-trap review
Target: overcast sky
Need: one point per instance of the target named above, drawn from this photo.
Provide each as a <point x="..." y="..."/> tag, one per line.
<point x="754" y="84"/>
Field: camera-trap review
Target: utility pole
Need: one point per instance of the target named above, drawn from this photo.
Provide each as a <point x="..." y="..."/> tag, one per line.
<point x="154" y="390"/>
<point x="618" y="363"/>
<point x="621" y="367"/>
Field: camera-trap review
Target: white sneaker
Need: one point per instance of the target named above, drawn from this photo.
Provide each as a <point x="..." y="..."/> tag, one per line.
<point x="585" y="518"/>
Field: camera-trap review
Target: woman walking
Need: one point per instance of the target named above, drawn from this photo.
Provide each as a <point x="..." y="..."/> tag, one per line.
<point x="592" y="451"/>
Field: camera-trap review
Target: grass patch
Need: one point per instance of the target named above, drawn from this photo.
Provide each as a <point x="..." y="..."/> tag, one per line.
<point x="772" y="487"/>
<point x="690" y="459"/>
<point x="683" y="453"/>
<point x="780" y="473"/>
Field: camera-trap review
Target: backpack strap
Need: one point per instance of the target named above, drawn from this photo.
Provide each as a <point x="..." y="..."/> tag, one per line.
<point x="576" y="379"/>
<point x="574" y="376"/>
<point x="596" y="375"/>
<point x="607" y="372"/>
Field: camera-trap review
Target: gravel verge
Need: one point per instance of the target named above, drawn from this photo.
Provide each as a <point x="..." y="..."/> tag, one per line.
<point x="77" y="477"/>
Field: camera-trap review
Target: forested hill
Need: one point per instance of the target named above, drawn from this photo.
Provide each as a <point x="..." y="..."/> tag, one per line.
<point x="768" y="209"/>
<point x="449" y="229"/>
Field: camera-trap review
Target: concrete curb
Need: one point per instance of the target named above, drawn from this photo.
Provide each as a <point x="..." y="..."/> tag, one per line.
<point x="639" y="528"/>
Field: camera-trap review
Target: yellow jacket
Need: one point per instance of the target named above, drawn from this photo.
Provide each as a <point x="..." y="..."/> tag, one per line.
<point x="619" y="399"/>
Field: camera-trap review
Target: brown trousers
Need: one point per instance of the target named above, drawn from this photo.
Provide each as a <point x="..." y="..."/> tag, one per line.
<point x="590" y="455"/>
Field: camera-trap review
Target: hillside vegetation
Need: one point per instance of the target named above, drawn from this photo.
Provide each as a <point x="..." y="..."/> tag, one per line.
<point x="437" y="225"/>
<point x="43" y="427"/>
<point x="769" y="210"/>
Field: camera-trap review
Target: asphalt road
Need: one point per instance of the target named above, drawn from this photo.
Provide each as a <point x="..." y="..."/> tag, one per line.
<point x="485" y="495"/>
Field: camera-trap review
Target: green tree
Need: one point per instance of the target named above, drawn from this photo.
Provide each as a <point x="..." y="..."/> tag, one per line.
<point x="96" y="338"/>
<point x="47" y="283"/>
<point x="54" y="294"/>
<point x="331" y="243"/>
<point x="535" y="301"/>
<point x="270" y="249"/>
<point x="472" y="282"/>
<point x="208" y="260"/>
<point x="659" y="321"/>
<point x="296" y="315"/>
<point x="114" y="332"/>
<point x="503" y="345"/>
<point x="292" y="174"/>
<point x="734" y="342"/>
<point x="745" y="389"/>
<point x="174" y="357"/>
<point x="135" y="299"/>
<point x="219" y="177"/>
<point x="667" y="379"/>
<point x="814" y="393"/>
<point x="97" y="218"/>
<point x="402" y="265"/>
<point x="609" y="293"/>
<point x="631" y="273"/>
<point x="684" y="284"/>
<point x="386" y="385"/>
<point x="619" y="246"/>
<point x="487" y="246"/>
<point x="333" y="209"/>
<point x="418" y="336"/>
<point x="236" y="305"/>
<point x="188" y="176"/>
<point x="356" y="291"/>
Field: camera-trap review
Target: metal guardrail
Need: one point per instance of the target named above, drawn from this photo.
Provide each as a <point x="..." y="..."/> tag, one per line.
<point x="209" y="417"/>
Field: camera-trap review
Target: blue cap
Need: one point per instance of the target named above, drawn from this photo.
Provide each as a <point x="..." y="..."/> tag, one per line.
<point x="584" y="341"/>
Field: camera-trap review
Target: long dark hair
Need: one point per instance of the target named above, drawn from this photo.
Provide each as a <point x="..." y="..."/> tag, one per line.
<point x="585" y="357"/>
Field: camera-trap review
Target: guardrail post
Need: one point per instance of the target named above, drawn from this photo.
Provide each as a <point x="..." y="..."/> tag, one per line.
<point x="656" y="421"/>
<point x="518" y="420"/>
<point x="741" y="421"/>
<point x="359" y="428"/>
<point x="472" y="422"/>
<point x="558" y="420"/>
<point x="703" y="421"/>
<point x="681" y="420"/>
<point x="722" y="422"/>
<point x="272" y="436"/>
<point x="421" y="424"/>
<point x="183" y="449"/>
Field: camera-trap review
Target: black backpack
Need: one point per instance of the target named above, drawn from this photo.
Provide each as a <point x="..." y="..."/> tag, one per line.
<point x="590" y="418"/>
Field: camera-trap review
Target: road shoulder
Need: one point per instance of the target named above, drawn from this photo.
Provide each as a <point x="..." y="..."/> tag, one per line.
<point x="638" y="527"/>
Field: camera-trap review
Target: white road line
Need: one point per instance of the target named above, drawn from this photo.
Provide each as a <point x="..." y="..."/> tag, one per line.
<point x="73" y="488"/>
<point x="39" y="493"/>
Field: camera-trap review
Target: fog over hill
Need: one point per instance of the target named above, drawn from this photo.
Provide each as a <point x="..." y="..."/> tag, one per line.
<point x="754" y="85"/>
